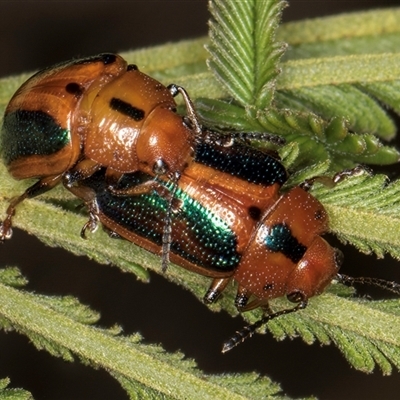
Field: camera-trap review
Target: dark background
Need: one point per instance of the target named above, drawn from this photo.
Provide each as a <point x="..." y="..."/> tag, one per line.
<point x="37" y="34"/>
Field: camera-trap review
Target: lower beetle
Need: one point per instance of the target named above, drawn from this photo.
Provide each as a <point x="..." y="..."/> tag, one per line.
<point x="269" y="243"/>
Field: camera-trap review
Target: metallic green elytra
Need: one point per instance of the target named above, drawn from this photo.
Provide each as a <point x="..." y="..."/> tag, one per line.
<point x="198" y="235"/>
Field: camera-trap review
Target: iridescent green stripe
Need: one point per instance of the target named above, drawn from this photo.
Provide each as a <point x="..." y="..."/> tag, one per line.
<point x="26" y="133"/>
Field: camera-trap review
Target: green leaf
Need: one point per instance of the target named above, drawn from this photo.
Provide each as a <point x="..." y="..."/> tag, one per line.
<point x="342" y="34"/>
<point x="365" y="211"/>
<point x="12" y="394"/>
<point x="386" y="92"/>
<point x="358" y="329"/>
<point x="313" y="72"/>
<point x="359" y="110"/>
<point x="362" y="199"/>
<point x="145" y="371"/>
<point x="320" y="139"/>
<point x="338" y="76"/>
<point x="243" y="52"/>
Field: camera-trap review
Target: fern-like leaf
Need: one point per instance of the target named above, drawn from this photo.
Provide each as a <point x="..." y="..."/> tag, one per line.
<point x="144" y="371"/>
<point x="361" y="331"/>
<point x="326" y="316"/>
<point x="328" y="99"/>
<point x="365" y="211"/>
<point x="373" y="327"/>
<point x="12" y="394"/>
<point x="318" y="140"/>
<point x="243" y="52"/>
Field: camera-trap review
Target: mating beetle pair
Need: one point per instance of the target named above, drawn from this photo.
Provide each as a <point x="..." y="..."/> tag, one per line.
<point x="69" y="120"/>
<point x="112" y="136"/>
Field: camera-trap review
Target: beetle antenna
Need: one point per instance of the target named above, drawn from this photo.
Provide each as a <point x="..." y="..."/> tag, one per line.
<point x="166" y="238"/>
<point x="249" y="330"/>
<point x="227" y="138"/>
<point x="262" y="136"/>
<point x="338" y="177"/>
<point x="382" y="283"/>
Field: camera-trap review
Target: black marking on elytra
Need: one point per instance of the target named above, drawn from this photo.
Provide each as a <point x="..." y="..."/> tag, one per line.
<point x="105" y="58"/>
<point x="242" y="161"/>
<point x="26" y="133"/>
<point x="127" y="109"/>
<point x="254" y="213"/>
<point x="74" y="89"/>
<point x="108" y="58"/>
<point x="280" y="238"/>
<point x="132" y="67"/>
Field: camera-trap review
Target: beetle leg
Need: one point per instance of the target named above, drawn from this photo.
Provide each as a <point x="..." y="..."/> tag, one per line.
<point x="242" y="297"/>
<point x="93" y="221"/>
<point x="89" y="197"/>
<point x="216" y="288"/>
<point x="242" y="304"/>
<point x="82" y="170"/>
<point x="226" y="139"/>
<point x="331" y="182"/>
<point x="167" y="231"/>
<point x="40" y="187"/>
<point x="249" y="330"/>
<point x="172" y="207"/>
<point x="143" y="188"/>
<point x="190" y="110"/>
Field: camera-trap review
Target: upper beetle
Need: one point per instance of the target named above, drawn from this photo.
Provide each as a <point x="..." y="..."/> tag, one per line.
<point x="69" y="120"/>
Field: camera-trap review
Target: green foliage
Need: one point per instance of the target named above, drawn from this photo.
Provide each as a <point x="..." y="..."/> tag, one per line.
<point x="145" y="371"/>
<point x="12" y="394"/>
<point x="243" y="50"/>
<point x="322" y="100"/>
<point x="329" y="100"/>
<point x="365" y="211"/>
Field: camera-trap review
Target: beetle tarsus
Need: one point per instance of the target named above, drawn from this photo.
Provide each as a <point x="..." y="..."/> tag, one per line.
<point x="331" y="182"/>
<point x="6" y="231"/>
<point x="91" y="225"/>
<point x="211" y="296"/>
<point x="93" y="222"/>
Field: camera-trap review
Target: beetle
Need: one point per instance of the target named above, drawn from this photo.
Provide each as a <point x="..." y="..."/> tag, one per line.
<point x="93" y="112"/>
<point x="216" y="175"/>
<point x="229" y="229"/>
<point x="69" y="120"/>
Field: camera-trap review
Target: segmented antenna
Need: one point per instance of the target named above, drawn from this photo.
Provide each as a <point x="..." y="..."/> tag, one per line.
<point x="382" y="283"/>
<point x="249" y="330"/>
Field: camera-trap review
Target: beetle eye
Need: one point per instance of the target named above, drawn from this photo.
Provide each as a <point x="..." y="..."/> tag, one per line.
<point x="338" y="258"/>
<point x="160" y="167"/>
<point x="296" y="297"/>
